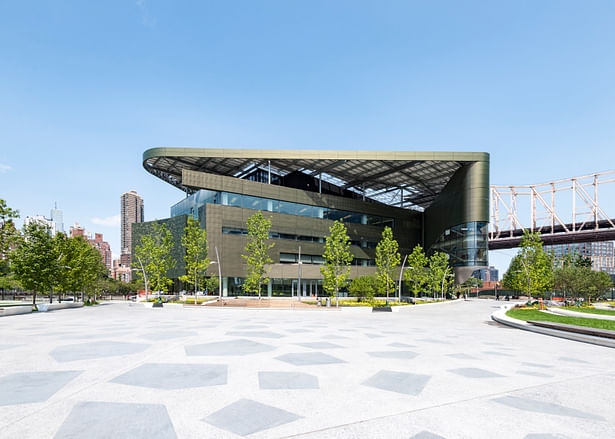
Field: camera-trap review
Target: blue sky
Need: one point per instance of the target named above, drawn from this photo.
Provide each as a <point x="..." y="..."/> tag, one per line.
<point x="86" y="87"/>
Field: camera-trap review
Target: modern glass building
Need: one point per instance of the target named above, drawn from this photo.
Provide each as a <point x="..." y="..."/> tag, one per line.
<point x="439" y="200"/>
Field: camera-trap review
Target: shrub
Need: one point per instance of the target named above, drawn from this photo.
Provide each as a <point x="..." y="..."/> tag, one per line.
<point x="363" y="288"/>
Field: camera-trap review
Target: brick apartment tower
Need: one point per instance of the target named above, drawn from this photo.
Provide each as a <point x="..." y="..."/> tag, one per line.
<point x="132" y="212"/>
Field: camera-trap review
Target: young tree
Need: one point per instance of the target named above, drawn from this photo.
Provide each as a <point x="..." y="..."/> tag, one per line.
<point x="440" y="277"/>
<point x="533" y="268"/>
<point x="387" y="260"/>
<point x="337" y="257"/>
<point x="257" y="252"/>
<point x="79" y="265"/>
<point x="154" y="252"/>
<point x="8" y="232"/>
<point x="416" y="272"/>
<point x="364" y="288"/>
<point x="194" y="242"/>
<point x="35" y="260"/>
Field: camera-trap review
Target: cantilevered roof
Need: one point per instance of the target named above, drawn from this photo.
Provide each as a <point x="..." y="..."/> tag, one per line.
<point x="399" y="178"/>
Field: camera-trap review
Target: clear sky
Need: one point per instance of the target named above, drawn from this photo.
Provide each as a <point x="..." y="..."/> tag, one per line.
<point x="86" y="87"/>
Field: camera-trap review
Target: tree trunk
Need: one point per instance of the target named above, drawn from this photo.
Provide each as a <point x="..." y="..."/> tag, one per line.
<point x="34" y="298"/>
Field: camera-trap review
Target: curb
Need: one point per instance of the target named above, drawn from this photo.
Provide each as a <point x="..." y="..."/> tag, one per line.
<point x="501" y="317"/>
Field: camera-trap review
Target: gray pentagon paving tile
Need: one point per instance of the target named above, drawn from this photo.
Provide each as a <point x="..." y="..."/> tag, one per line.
<point x="287" y="380"/>
<point x="536" y="365"/>
<point x="400" y="382"/>
<point x="174" y="376"/>
<point x="474" y="372"/>
<point x="572" y="360"/>
<point x="544" y="436"/>
<point x="258" y="334"/>
<point x="374" y="335"/>
<point x="99" y="349"/>
<point x="550" y="408"/>
<point x="27" y="387"/>
<point x="401" y="355"/>
<point x="167" y="335"/>
<point x="309" y="358"/>
<point x="433" y="340"/>
<point x="401" y="345"/>
<point x="534" y="374"/>
<point x="102" y="420"/>
<point x="462" y="356"/>
<point x="228" y="348"/>
<point x="251" y="326"/>
<point x="319" y="345"/>
<point x="427" y="435"/>
<point x="500" y="354"/>
<point x="245" y="417"/>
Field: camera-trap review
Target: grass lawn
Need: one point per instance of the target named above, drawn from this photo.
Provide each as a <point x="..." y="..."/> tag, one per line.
<point x="605" y="312"/>
<point x="533" y="314"/>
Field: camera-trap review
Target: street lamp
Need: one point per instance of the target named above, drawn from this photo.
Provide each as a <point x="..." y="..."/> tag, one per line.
<point x="144" y="275"/>
<point x="443" y="278"/>
<point x="401" y="271"/>
<point x="219" y="273"/>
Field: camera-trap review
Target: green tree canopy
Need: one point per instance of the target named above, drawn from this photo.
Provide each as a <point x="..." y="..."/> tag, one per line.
<point x="416" y="273"/>
<point x="8" y="233"/>
<point x="194" y="242"/>
<point x="387" y="260"/>
<point x="532" y="269"/>
<point x="35" y="260"/>
<point x="364" y="287"/>
<point x="439" y="275"/>
<point x="154" y="252"/>
<point x="337" y="257"/>
<point x="257" y="253"/>
<point x="79" y="264"/>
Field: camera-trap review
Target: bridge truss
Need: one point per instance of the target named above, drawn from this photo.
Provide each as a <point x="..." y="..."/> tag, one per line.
<point x="562" y="211"/>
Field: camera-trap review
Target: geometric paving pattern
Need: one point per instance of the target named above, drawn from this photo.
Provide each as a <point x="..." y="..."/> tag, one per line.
<point x="287" y="380"/>
<point x="426" y="435"/>
<point x="474" y="372"/>
<point x="28" y="387"/>
<point x="228" y="348"/>
<point x="309" y="359"/>
<point x="319" y="345"/>
<point x="174" y="376"/>
<point x="258" y="334"/>
<point x="98" y="349"/>
<point x="245" y="417"/>
<point x="400" y="355"/>
<point x="531" y="405"/>
<point x="400" y="382"/>
<point x="102" y="420"/>
<point x="168" y="335"/>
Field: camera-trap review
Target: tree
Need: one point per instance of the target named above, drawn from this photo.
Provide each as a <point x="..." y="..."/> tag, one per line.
<point x="212" y="284"/>
<point x="257" y="253"/>
<point x="154" y="252"/>
<point x="194" y="242"/>
<point x="8" y="232"/>
<point x="387" y="260"/>
<point x="35" y="260"/>
<point x="337" y="257"/>
<point x="80" y="265"/>
<point x="438" y="274"/>
<point x="599" y="283"/>
<point x="364" y="288"/>
<point x="416" y="272"/>
<point x="533" y="267"/>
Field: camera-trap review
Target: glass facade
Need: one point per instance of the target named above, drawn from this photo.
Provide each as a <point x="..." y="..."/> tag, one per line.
<point x="191" y="204"/>
<point x="602" y="254"/>
<point x="277" y="287"/>
<point x="466" y="244"/>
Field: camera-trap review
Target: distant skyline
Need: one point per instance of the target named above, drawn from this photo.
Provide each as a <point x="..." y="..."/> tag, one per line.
<point x="88" y="86"/>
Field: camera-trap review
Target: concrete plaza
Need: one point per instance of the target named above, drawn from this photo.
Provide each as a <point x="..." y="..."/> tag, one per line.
<point x="439" y="371"/>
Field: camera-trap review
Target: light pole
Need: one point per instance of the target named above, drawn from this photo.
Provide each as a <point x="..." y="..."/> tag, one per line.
<point x="299" y="276"/>
<point x="144" y="275"/>
<point x="219" y="272"/>
<point x="443" y="278"/>
<point x="401" y="271"/>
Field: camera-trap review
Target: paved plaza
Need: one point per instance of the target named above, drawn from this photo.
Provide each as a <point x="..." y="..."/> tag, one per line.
<point x="440" y="371"/>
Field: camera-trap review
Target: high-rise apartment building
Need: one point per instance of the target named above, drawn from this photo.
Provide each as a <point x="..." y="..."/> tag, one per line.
<point x="602" y="254"/>
<point x="104" y="248"/>
<point x="76" y="230"/>
<point x="132" y="212"/>
<point x="57" y="216"/>
<point x="43" y="221"/>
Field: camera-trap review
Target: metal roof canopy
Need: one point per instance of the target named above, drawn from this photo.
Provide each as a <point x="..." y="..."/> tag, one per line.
<point x="380" y="176"/>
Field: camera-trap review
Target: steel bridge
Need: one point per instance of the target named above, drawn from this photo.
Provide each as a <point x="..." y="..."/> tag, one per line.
<point x="563" y="212"/>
